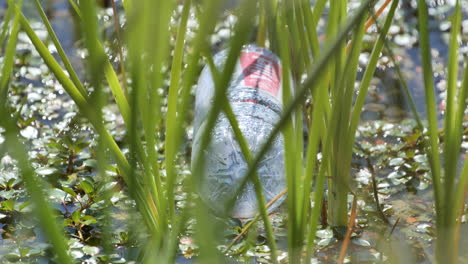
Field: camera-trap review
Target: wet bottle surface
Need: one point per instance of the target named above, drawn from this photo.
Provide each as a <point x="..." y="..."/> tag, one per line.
<point x="254" y="94"/>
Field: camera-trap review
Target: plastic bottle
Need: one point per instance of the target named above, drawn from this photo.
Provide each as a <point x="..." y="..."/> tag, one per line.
<point x="255" y="93"/>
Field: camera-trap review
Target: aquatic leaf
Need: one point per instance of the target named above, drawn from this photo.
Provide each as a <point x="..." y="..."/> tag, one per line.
<point x="326" y="241"/>
<point x="76" y="216"/>
<point x="67" y="222"/>
<point x="29" y="132"/>
<point x="422" y="185"/>
<point x="91" y="250"/>
<point x="46" y="171"/>
<point x="411" y="140"/>
<point x="361" y="242"/>
<point x="70" y="191"/>
<point x="421" y="158"/>
<point x="58" y="194"/>
<point x="8" y="205"/>
<point x="423" y="228"/>
<point x="23" y="251"/>
<point x="12" y="182"/>
<point x="396" y="175"/>
<point x="13" y="257"/>
<point x="25" y="207"/>
<point x="324" y="233"/>
<point x="87" y="220"/>
<point x="76" y="254"/>
<point x="90" y="163"/>
<point x="87" y="187"/>
<point x="396" y="162"/>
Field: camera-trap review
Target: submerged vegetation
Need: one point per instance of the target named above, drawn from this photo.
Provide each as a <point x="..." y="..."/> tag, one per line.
<point x="95" y="135"/>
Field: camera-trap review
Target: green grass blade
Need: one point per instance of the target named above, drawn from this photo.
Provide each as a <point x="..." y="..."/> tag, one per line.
<point x="342" y="149"/>
<point x="206" y="26"/>
<point x="294" y="236"/>
<point x="318" y="196"/>
<point x="35" y="188"/>
<point x="138" y="38"/>
<point x="50" y="61"/>
<point x="127" y="4"/>
<point x="236" y="44"/>
<point x="199" y="43"/>
<point x="120" y="44"/>
<point x="317" y="13"/>
<point x="116" y="89"/>
<point x="337" y="202"/>
<point x="227" y="109"/>
<point x="5" y="26"/>
<point x="460" y="194"/>
<point x="318" y="128"/>
<point x="140" y="188"/>
<point x="311" y="162"/>
<point x="86" y="109"/>
<point x="18" y="151"/>
<point x="242" y="30"/>
<point x="317" y="69"/>
<point x="176" y="70"/>
<point x="97" y="100"/>
<point x="303" y="38"/>
<point x="256" y="180"/>
<point x="370" y="69"/>
<point x="262" y="27"/>
<point x="248" y="158"/>
<point x="461" y="186"/>
<point x="461" y="106"/>
<point x="75" y="7"/>
<point x="431" y="110"/>
<point x="8" y="61"/>
<point x="405" y="87"/>
<point x="109" y="71"/>
<point x="452" y="137"/>
<point x="71" y="89"/>
<point x="310" y="26"/>
<point x="297" y="40"/>
<point x="331" y="31"/>
<point x="71" y="71"/>
<point x="271" y="7"/>
<point x="162" y="39"/>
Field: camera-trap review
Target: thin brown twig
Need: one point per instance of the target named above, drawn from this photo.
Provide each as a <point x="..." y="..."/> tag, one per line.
<point x="393" y="227"/>
<point x="351" y="223"/>
<point x="374" y="187"/>
<point x="247" y="226"/>
<point x="376" y="193"/>
<point x="324" y="216"/>
<point x="371" y="20"/>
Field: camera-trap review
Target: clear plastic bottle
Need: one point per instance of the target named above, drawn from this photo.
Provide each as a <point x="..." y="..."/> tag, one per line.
<point x="255" y="93"/>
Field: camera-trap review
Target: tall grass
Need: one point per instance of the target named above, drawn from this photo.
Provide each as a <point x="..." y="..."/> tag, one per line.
<point x="449" y="190"/>
<point x="326" y="74"/>
<point x="19" y="152"/>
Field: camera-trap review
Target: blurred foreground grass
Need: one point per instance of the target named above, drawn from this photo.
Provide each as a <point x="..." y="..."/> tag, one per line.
<point x="124" y="192"/>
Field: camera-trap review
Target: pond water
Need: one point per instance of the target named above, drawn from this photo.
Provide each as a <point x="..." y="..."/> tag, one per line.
<point x="405" y="200"/>
<point x="386" y="102"/>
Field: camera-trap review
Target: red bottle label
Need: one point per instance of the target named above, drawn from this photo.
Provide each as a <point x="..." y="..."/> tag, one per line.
<point x="261" y="72"/>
